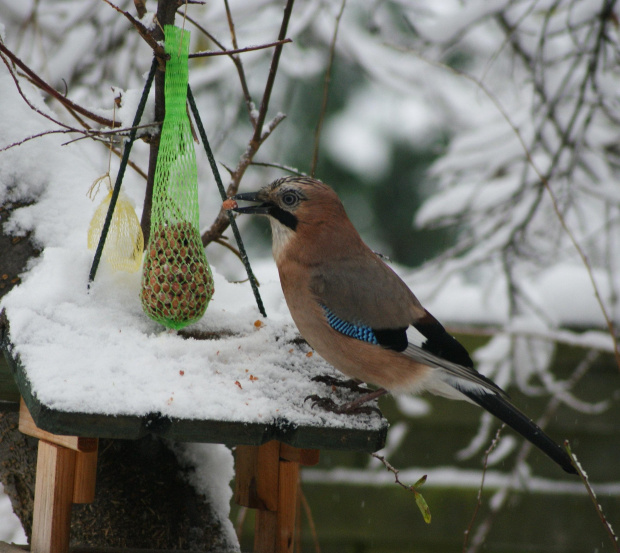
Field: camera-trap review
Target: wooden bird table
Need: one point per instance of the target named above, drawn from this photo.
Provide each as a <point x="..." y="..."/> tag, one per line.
<point x="268" y="458"/>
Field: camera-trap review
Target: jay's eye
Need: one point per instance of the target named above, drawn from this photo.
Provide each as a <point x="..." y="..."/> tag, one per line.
<point x="289" y="199"/>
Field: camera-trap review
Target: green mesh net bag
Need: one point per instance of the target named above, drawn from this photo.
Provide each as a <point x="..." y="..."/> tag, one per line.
<point x="176" y="283"/>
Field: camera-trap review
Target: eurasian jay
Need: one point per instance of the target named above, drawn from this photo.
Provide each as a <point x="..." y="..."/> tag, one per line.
<point x="360" y="316"/>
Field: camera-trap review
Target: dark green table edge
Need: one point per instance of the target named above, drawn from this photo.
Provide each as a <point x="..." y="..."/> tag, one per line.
<point x="231" y="433"/>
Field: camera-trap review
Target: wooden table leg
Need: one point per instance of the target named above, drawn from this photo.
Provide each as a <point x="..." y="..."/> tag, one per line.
<point x="267" y="479"/>
<point x="53" y="494"/>
<point x="66" y="474"/>
<point x="85" y="476"/>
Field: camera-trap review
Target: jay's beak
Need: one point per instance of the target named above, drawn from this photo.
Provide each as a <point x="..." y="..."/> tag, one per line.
<point x="262" y="209"/>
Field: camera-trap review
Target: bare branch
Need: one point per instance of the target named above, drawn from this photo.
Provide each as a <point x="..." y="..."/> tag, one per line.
<point x="40" y="83"/>
<point x="38" y="135"/>
<point x="93" y="133"/>
<point x="597" y="506"/>
<point x="308" y="511"/>
<point x="260" y="135"/>
<point x="326" y="82"/>
<point x="210" y="53"/>
<point x="222" y="242"/>
<point x="25" y="98"/>
<point x="291" y="170"/>
<point x="238" y="65"/>
<point x="420" y="501"/>
<point x="485" y="465"/>
<point x="158" y="50"/>
<point x="262" y="112"/>
<point x="554" y="403"/>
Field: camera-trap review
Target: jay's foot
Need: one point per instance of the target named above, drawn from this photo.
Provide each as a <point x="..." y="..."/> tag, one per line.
<point x="328" y="404"/>
<point x="352" y="407"/>
<point x="351" y="384"/>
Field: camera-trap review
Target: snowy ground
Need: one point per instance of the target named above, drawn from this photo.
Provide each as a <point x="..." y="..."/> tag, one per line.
<point x="10" y="527"/>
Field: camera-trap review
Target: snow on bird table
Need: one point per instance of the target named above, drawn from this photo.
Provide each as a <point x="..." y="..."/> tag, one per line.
<point x="95" y="353"/>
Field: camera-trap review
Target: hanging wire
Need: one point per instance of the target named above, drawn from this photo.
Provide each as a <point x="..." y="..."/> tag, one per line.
<point x="231" y="218"/>
<point x="121" y="172"/>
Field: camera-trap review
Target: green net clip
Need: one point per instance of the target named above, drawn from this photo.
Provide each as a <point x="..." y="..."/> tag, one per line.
<point x="176" y="283"/>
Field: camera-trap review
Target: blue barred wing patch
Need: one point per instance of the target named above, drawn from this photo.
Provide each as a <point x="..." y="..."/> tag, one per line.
<point x="359" y="332"/>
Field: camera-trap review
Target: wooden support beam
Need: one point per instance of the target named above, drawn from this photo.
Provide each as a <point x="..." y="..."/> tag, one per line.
<point x="85" y="476"/>
<point x="288" y="486"/>
<point x="66" y="474"/>
<point x="265" y="531"/>
<point x="51" y="523"/>
<point x="306" y="457"/>
<point x="267" y="479"/>
<point x="257" y="476"/>
<point x="29" y="427"/>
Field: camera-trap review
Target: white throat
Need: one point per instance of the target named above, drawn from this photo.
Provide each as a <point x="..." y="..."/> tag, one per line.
<point x="280" y="237"/>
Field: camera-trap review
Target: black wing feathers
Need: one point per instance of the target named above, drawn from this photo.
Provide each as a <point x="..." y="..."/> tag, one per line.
<point x="439" y="342"/>
<point x="395" y="338"/>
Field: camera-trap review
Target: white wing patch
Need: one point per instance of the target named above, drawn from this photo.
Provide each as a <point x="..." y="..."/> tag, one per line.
<point x="448" y="378"/>
<point x="415" y="337"/>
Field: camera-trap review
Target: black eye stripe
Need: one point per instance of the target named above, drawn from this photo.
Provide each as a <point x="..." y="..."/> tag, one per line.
<point x="285" y="217"/>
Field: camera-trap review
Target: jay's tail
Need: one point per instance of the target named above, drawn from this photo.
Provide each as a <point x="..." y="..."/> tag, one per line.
<point x="461" y="377"/>
<point x="508" y="413"/>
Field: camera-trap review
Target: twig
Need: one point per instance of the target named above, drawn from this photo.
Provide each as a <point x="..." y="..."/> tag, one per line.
<point x="70" y="107"/>
<point x="238" y="50"/>
<point x="275" y="60"/>
<point x="40" y="83"/>
<point x="221" y="222"/>
<point x="485" y="465"/>
<point x="326" y="82"/>
<point x="88" y="132"/>
<point x="308" y="511"/>
<point x="238" y="65"/>
<point x="158" y="49"/>
<point x="421" y="503"/>
<point x="231" y="24"/>
<point x="291" y="170"/>
<point x="260" y="135"/>
<point x="130" y="163"/>
<point x="94" y="133"/>
<point x="25" y="98"/>
<point x="597" y="506"/>
<point x="140" y="6"/>
<point x="226" y="244"/>
<point x="38" y="135"/>
<point x="249" y="104"/>
<point x="553" y="405"/>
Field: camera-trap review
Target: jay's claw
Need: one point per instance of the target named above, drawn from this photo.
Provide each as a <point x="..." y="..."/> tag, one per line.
<point x="323" y="402"/>
<point x="350" y="384"/>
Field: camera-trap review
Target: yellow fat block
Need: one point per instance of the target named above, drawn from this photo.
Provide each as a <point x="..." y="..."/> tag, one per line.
<point x="124" y="244"/>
